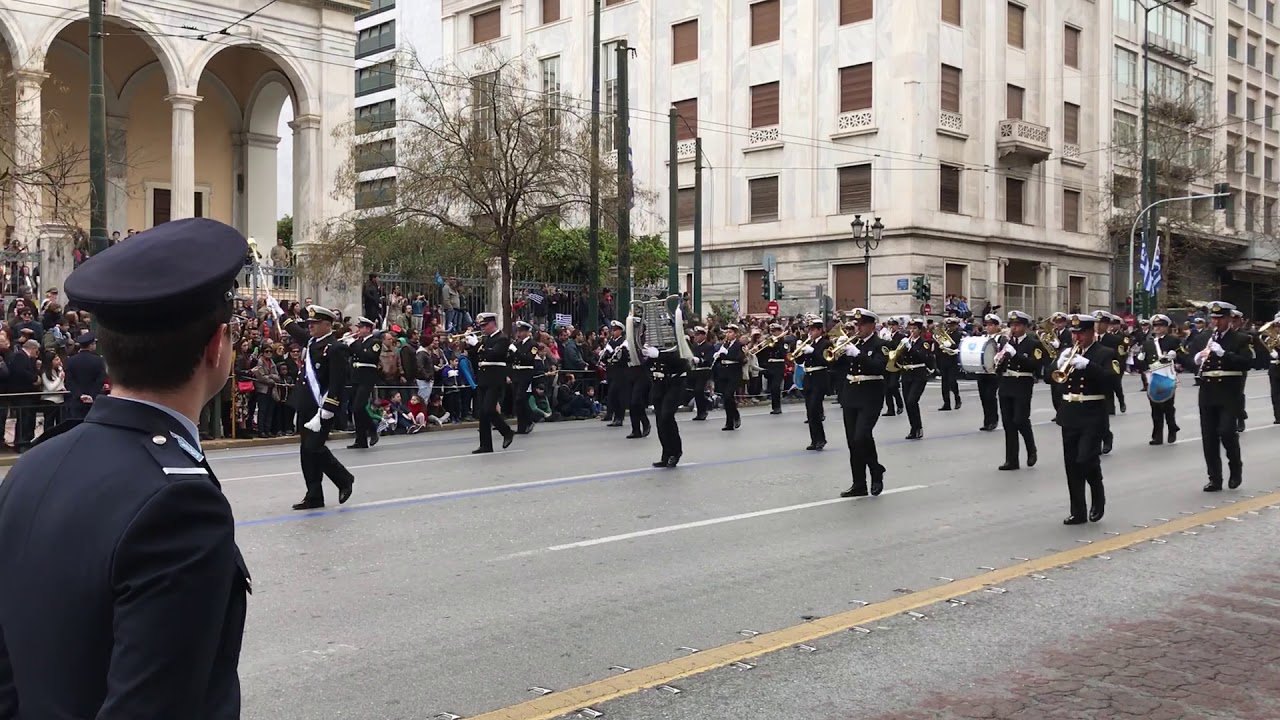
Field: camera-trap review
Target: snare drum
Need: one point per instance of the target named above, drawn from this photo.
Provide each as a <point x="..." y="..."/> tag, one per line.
<point x="978" y="355"/>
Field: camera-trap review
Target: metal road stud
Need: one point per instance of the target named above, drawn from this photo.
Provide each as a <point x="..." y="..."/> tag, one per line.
<point x="1139" y="525"/>
<point x="1233" y="518"/>
<point x="1162" y="519"/>
<point x="956" y="601"/>
<point x="619" y="668"/>
<point x="1038" y="576"/>
<point x="541" y="690"/>
<point x="806" y="648"/>
<point x="1190" y="532"/>
<point x="1159" y="541"/>
<point x="670" y="689"/>
<point x="739" y="665"/>
<point x="446" y="716"/>
<point x="863" y="603"/>
<point x="945" y="579"/>
<point x="996" y="590"/>
<point x="1209" y="525"/>
<point x="1104" y="557"/>
<point x="690" y="650"/>
<point x="859" y="629"/>
<point x="1021" y="559"/>
<point x="748" y="633"/>
<point x="917" y="616"/>
<point x="590" y="713"/>
<point x="1084" y="542"/>
<point x="988" y="568"/>
<point x="1111" y="532"/>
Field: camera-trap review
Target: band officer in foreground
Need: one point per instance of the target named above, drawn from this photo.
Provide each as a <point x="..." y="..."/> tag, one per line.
<point x="915" y="365"/>
<point x="365" y="351"/>
<point x="817" y="381"/>
<point x="1061" y="341"/>
<point x="1223" y="357"/>
<point x="728" y="361"/>
<point x="122" y="591"/>
<point x="948" y="364"/>
<point x="669" y="371"/>
<point x="773" y="360"/>
<point x="862" y="393"/>
<point x="1087" y="372"/>
<point x="523" y="366"/>
<point x="639" y="384"/>
<point x="893" y="336"/>
<point x="324" y="374"/>
<point x="1161" y="347"/>
<point x="989" y="382"/>
<point x="1018" y="363"/>
<point x="489" y="356"/>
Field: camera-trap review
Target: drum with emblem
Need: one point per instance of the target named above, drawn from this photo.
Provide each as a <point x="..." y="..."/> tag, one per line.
<point x="978" y="355"/>
<point x="1162" y="382"/>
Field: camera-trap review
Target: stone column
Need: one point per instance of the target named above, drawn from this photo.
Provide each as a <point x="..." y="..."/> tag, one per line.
<point x="1055" y="299"/>
<point x="306" y="157"/>
<point x="993" y="281"/>
<point x="117" y="174"/>
<point x="182" y="156"/>
<point x="259" y="187"/>
<point x="28" y="153"/>
<point x="495" y="289"/>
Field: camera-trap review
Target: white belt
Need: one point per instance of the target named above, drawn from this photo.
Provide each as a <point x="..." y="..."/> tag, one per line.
<point x="728" y="362"/>
<point x="781" y="360"/>
<point x="911" y="367"/>
<point x="1018" y="374"/>
<point x="1221" y="373"/>
<point x="493" y="364"/>
<point x="372" y="365"/>
<point x="1083" y="398"/>
<point x="815" y="368"/>
<point x="521" y="367"/>
<point x="863" y="378"/>
<point x="661" y="375"/>
<point x="1275" y="362"/>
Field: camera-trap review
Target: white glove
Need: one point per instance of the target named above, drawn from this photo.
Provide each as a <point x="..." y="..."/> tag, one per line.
<point x="807" y="351"/>
<point x="472" y="340"/>
<point x="1202" y="356"/>
<point x="1057" y="344"/>
<point x="1079" y="362"/>
<point x="606" y="351"/>
<point x="326" y="415"/>
<point x="1142" y="356"/>
<point x="451" y="373"/>
<point x="511" y="347"/>
<point x="722" y="351"/>
<point x="1170" y="355"/>
<point x="1216" y="349"/>
<point x="274" y="306"/>
<point x="313" y="424"/>
<point x="852" y="350"/>
<point x="697" y="360"/>
<point x="649" y="351"/>
<point x="1275" y="355"/>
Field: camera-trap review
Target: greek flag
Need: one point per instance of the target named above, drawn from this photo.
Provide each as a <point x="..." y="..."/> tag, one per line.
<point x="563" y="319"/>
<point x="1154" y="276"/>
<point x="1144" y="265"/>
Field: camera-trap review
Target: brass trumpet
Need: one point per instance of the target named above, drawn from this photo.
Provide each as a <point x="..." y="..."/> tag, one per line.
<point x="1063" y="373"/>
<point x="837" y="348"/>
<point x="463" y="336"/>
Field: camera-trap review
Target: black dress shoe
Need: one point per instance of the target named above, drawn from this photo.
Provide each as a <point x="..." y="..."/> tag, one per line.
<point x="1096" y="512"/>
<point x="1240" y="426"/>
<point x="1123" y="408"/>
<point x="1031" y="458"/>
<point x="854" y="491"/>
<point x="1156" y="441"/>
<point x="1106" y="445"/>
<point x="957" y="403"/>
<point x="700" y="417"/>
<point x="506" y="441"/>
<point x="618" y="423"/>
<point x="877" y="486"/>
<point x="646" y="431"/>
<point x="1212" y="486"/>
<point x="1008" y="466"/>
<point x="1075" y="520"/>
<point x="1235" y="481"/>
<point x="481" y="451"/>
<point x="1173" y="435"/>
<point x="661" y="463"/>
<point x="915" y="434"/>
<point x="673" y="461"/>
<point x="373" y="440"/>
<point x="344" y="493"/>
<point x="889" y="413"/>
<point x="307" y="505"/>
<point x="727" y="428"/>
<point x="737" y="423"/>
<point x="357" y="446"/>
<point x="812" y="447"/>
<point x="822" y="444"/>
<point x="634" y="436"/>
<point x="775" y="412"/>
<point x="944" y="408"/>
<point x="987" y="428"/>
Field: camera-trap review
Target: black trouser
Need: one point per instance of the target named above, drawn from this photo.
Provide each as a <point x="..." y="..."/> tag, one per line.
<point x="24" y="430"/>
<point x="1218" y="428"/>
<point x="775" y="375"/>
<point x="698" y="386"/>
<point x="266" y="413"/>
<point x="285" y="418"/>
<point x="913" y="384"/>
<point x="638" y="402"/>
<point x="755" y="385"/>
<point x="893" y="393"/>
<point x="859" y="427"/>
<point x="489" y="415"/>
<point x="1082" y="451"/>
<point x="1015" y="413"/>
<point x="521" y="382"/>
<point x="1244" y="411"/>
<point x="950" y="383"/>
<point x="1274" y="375"/>
<point x="667" y="396"/>
<point x="729" y="392"/>
<point x="1118" y="395"/>
<point x="318" y="461"/>
<point x="1162" y="414"/>
<point x="987" y="385"/>
<point x="365" y="428"/>
<point x="619" y="397"/>
<point x="816" y="383"/>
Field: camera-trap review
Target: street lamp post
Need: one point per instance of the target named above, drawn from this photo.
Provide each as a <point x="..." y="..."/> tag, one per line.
<point x="867" y="238"/>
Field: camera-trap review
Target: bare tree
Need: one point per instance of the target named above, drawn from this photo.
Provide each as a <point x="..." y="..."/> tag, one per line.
<point x="480" y="155"/>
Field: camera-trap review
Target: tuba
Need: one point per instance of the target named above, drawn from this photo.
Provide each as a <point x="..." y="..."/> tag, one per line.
<point x="1270" y="335"/>
<point x="652" y="323"/>
<point x="1048" y="337"/>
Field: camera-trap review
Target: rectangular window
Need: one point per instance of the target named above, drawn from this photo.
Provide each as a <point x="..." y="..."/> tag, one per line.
<point x="376" y="39"/>
<point x="765" y="25"/>
<point x="375" y="155"/>
<point x="1268" y="216"/>
<point x="484" y="112"/>
<point x="1071" y="47"/>
<point x="855" y="189"/>
<point x="951" y="88"/>
<point x="375" y="117"/>
<point x="1271" y="12"/>
<point x="949" y="188"/>
<point x="1250" y="212"/>
<point x="375" y="77"/>
<point x="1233" y="46"/>
<point x="1016" y="16"/>
<point x="855" y="87"/>
<point x="609" y="97"/>
<point x="1013" y="102"/>
<point x="376" y="6"/>
<point x="763" y="195"/>
<point x="1271" y="63"/>
<point x="1071" y="210"/>
<point x="852" y="11"/>
<point x="1125" y="10"/>
<point x="1267" y="116"/>
<point x="1230" y="216"/>
<point x="764" y="105"/>
<point x="610" y="3"/>
<point x="1204" y="99"/>
<point x="1231" y="102"/>
<point x="375" y="193"/>
<point x="684" y="42"/>
<point x="1230" y="158"/>
<point x="551" y="91"/>
<point x="1203" y="39"/>
<point x="1249" y="157"/>
<point x="1253" y="6"/>
<point x="1071" y="123"/>
<point x="1251" y="109"/>
<point x="1013" y="189"/>
<point x="1126" y="68"/>
<point x="1251" y="55"/>
<point x="1123" y="190"/>
<point x="684" y="208"/>
<point x="1124" y="129"/>
<point x="687" y="125"/>
<point x="550" y="11"/>
<point x="951" y="12"/>
<point x="486" y="26"/>
<point x="1268" y="167"/>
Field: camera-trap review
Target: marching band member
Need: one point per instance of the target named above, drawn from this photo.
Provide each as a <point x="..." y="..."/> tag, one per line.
<point x="489" y="355"/>
<point x="1136" y="342"/>
<point x="1087" y="372"/>
<point x="1223" y="356"/>
<point x="861" y="397"/>
<point x="364" y="349"/>
<point x="1161" y="347"/>
<point x="669" y="375"/>
<point x="774" y="359"/>
<point x="989" y="382"/>
<point x="915" y="364"/>
<point x="523" y="369"/>
<point x="1110" y="333"/>
<point x="638" y="382"/>
<point x="615" y="357"/>
<point x="703" y="354"/>
<point x="1017" y="364"/>
<point x="947" y="360"/>
<point x="729" y="375"/>
<point x="893" y="383"/>
<point x="1061" y="341"/>
<point x="1237" y="324"/>
<point x="817" y="381"/>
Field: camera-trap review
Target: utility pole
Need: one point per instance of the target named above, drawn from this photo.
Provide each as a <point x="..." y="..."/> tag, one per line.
<point x="593" y="227"/>
<point x="622" y="141"/>
<point x="1145" y="169"/>
<point x="673" y="204"/>
<point x="697" y="227"/>
<point x="97" y="134"/>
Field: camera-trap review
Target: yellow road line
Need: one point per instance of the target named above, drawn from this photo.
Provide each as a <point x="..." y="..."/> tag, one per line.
<point x="569" y="701"/>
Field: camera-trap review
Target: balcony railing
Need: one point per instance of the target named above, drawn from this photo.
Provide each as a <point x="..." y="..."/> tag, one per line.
<point x="855" y="122"/>
<point x="765" y="135"/>
<point x="685" y="149"/>
<point x="1023" y="139"/>
<point x="951" y="121"/>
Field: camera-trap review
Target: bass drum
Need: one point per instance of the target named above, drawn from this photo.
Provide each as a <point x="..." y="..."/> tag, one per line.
<point x="978" y="355"/>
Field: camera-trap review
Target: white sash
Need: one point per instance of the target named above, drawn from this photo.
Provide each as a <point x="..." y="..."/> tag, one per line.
<point x="312" y="382"/>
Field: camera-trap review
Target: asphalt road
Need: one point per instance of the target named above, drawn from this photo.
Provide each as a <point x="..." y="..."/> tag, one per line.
<point x="453" y="583"/>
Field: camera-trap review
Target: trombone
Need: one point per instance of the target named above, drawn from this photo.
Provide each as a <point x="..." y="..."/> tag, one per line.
<point x="1063" y="373"/>
<point x="764" y="344"/>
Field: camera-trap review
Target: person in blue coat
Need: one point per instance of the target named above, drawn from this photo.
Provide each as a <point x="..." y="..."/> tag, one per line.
<point x="122" y="591"/>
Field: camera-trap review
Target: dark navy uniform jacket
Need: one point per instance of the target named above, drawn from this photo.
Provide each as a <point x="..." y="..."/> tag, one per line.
<point x="330" y="363"/>
<point x="86" y="374"/>
<point x="122" y="591"/>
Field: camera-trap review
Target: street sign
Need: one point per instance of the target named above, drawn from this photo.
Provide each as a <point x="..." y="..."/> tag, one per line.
<point x="902" y="283"/>
<point x="773" y="308"/>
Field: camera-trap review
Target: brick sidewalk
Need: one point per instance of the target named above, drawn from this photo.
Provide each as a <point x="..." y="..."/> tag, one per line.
<point x="1212" y="656"/>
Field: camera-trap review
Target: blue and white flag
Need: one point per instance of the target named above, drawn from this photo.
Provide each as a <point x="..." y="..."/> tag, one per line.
<point x="1155" y="274"/>
<point x="1144" y="264"/>
<point x="563" y="319"/>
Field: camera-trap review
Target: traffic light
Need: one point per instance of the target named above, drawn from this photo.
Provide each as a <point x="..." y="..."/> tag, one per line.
<point x="777" y="290"/>
<point x="920" y="289"/>
<point x="1222" y="196"/>
<point x="764" y="286"/>
<point x="928" y="289"/>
